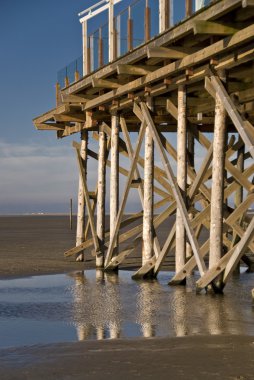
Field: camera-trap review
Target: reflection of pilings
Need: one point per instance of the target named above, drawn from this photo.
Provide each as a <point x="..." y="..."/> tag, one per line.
<point x="179" y="311"/>
<point x="83" y="329"/>
<point x="146" y="308"/>
<point x="112" y="302"/>
<point x="100" y="327"/>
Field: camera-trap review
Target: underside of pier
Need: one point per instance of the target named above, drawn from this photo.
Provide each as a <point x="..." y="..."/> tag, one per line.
<point x="180" y="109"/>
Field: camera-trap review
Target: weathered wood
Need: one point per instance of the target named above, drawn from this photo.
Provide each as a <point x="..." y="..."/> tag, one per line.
<point x="175" y="67"/>
<point x="180" y="252"/>
<point x="87" y="202"/>
<point x="175" y="189"/>
<point x="217" y="193"/>
<point x="101" y="194"/>
<point x="214" y="28"/>
<point x="103" y="83"/>
<point x="232" y="112"/>
<point x="147" y="250"/>
<point x="81" y="197"/>
<point x="135" y="70"/>
<point x="114" y="179"/>
<point x="163" y="52"/>
<point x="163" y="15"/>
<point x="117" y="219"/>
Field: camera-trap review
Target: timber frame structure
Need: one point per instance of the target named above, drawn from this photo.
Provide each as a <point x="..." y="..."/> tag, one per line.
<point x="195" y="80"/>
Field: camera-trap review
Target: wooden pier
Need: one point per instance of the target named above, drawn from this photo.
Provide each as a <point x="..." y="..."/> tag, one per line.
<point x="194" y="83"/>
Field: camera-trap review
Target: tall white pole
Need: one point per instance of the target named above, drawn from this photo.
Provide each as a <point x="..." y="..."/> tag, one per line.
<point x="111" y="30"/>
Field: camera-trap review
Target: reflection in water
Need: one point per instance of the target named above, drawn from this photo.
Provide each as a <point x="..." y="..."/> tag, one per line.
<point x="178" y="309"/>
<point x="147" y="307"/>
<point x="100" y="305"/>
<point x="111" y="307"/>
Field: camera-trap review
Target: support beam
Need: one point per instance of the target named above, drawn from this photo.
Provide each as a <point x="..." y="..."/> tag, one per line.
<point x="175" y="189"/>
<point x="114" y="178"/>
<point x="81" y="197"/>
<point x="217" y="193"/>
<point x="147" y="251"/>
<point x="239" y="251"/>
<point x="101" y="194"/>
<point x="208" y="27"/>
<point x="180" y="252"/>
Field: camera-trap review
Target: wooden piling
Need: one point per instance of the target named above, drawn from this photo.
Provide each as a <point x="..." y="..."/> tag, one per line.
<point x="180" y="250"/>
<point x="81" y="199"/>
<point x="147" y="251"/>
<point x="217" y="191"/>
<point x="114" y="177"/>
<point x="101" y="194"/>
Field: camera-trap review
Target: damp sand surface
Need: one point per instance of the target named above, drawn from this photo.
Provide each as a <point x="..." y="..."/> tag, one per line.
<point x="224" y="349"/>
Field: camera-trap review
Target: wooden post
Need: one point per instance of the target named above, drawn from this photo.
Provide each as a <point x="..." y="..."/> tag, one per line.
<point x="58" y="95"/>
<point x="188" y="8"/>
<point x="147" y="21"/>
<point x="217" y="193"/>
<point x="71" y="214"/>
<point x="130" y="30"/>
<point x="147" y="252"/>
<point x="85" y="48"/>
<point x="101" y="197"/>
<point x="114" y="177"/>
<point x="81" y="199"/>
<point x="163" y="15"/>
<point x="180" y="250"/>
<point x="100" y="52"/>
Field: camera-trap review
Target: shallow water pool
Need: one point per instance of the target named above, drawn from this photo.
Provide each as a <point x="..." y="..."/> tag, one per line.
<point x="96" y="305"/>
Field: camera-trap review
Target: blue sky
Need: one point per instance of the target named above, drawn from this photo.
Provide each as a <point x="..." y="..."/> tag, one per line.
<point x="37" y="38"/>
<point x="38" y="173"/>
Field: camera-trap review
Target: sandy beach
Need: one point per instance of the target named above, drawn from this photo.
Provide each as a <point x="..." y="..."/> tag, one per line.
<point x="34" y="245"/>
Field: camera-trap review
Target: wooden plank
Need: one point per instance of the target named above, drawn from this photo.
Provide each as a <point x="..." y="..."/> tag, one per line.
<point x="172" y="109"/>
<point x="135" y="70"/>
<point x="163" y="52"/>
<point x="49" y="127"/>
<point x="103" y="83"/>
<point x="212" y="28"/>
<point x="175" y="189"/>
<point x="77" y="99"/>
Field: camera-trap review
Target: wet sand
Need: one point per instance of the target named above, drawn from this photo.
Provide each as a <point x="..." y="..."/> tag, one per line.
<point x="34" y="245"/>
<point x="188" y="358"/>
